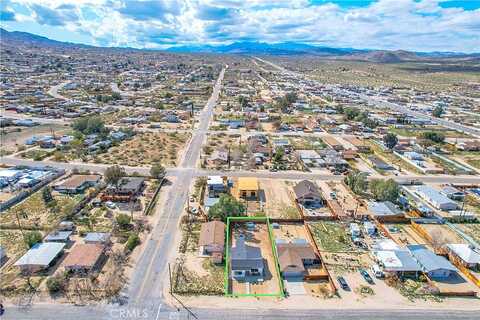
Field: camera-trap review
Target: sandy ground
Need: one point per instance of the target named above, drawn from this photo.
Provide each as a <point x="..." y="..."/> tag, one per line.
<point x="259" y="238"/>
<point x="406" y="234"/>
<point x="276" y="196"/>
<point x="289" y="232"/>
<point x="444" y="233"/>
<point x="381" y="300"/>
<point x="12" y="138"/>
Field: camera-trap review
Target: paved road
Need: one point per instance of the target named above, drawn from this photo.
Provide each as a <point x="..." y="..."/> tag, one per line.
<point x="153" y="311"/>
<point x="383" y="103"/>
<point x="151" y="270"/>
<point x="54" y="90"/>
<point x="189" y="166"/>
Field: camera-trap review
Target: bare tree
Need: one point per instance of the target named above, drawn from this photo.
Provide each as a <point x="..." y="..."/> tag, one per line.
<point x="437" y="239"/>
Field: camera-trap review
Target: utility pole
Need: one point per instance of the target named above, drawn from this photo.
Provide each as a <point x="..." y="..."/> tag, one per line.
<point x="20" y="227"/>
<point x="170" y="278"/>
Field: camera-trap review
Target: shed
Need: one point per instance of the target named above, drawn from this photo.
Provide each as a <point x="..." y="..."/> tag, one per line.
<point x="58" y="236"/>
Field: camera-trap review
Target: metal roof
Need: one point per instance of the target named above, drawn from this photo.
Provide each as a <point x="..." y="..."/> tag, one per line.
<point x="41" y="254"/>
<point x="58" y="236"/>
<point x="464" y="252"/>
<point x="397" y="260"/>
<point x="429" y="260"/>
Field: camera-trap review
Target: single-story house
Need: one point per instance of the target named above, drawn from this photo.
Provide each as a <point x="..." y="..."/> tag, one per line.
<point x="378" y="163"/>
<point x="246" y="261"/>
<point x="384" y="210"/>
<point x="216" y="186"/>
<point x="398" y="261"/>
<point x="435" y="198"/>
<point x="307" y="193"/>
<point x="212" y="240"/>
<point x="40" y="256"/>
<point x="77" y="183"/>
<point x="218" y="157"/>
<point x="83" y="257"/>
<point x="295" y="257"/>
<point x="433" y="265"/>
<point x="469" y="257"/>
<point x="127" y="189"/>
<point x="246" y="188"/>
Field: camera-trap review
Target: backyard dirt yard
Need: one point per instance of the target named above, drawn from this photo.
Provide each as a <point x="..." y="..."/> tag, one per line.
<point x="442" y="234"/>
<point x="33" y="213"/>
<point x="290" y="232"/>
<point x="257" y="238"/>
<point x="145" y="149"/>
<point x="404" y="234"/>
<point x="278" y="199"/>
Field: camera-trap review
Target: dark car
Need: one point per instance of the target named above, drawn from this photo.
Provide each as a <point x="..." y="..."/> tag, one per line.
<point x="366" y="276"/>
<point x="343" y="283"/>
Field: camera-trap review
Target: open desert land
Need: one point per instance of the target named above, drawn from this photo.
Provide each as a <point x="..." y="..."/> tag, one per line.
<point x="145" y="149"/>
<point x="278" y="199"/>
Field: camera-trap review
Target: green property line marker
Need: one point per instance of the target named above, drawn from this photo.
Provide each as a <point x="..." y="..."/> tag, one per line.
<point x="275" y="256"/>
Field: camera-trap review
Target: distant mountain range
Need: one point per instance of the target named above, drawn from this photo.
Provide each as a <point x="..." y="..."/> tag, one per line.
<point x="259" y="48"/>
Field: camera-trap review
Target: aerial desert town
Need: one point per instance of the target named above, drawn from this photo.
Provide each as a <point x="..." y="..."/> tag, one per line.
<point x="184" y="185"/>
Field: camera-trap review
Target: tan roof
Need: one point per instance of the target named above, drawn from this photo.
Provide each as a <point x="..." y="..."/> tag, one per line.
<point x="77" y="180"/>
<point x="290" y="256"/>
<point x="331" y="141"/>
<point x="248" y="184"/>
<point x="83" y="255"/>
<point x="355" y="141"/>
<point x="212" y="232"/>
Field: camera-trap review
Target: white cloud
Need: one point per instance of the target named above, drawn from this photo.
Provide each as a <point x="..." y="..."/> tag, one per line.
<point x="385" y="24"/>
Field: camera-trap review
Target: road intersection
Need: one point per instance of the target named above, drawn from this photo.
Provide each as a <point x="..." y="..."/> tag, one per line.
<point x="143" y="297"/>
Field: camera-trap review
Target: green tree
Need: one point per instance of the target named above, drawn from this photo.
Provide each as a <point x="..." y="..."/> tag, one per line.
<point x="157" y="171"/>
<point x="123" y="220"/>
<point x="390" y="140"/>
<point x="33" y="237"/>
<point x="114" y="174"/>
<point x="56" y="283"/>
<point x="279" y="153"/>
<point x="227" y="206"/>
<point x="357" y="181"/>
<point x="437" y="112"/>
<point x="47" y="195"/>
<point x="132" y="242"/>
<point x="384" y="190"/>
<point x="89" y="125"/>
<point x="436" y="137"/>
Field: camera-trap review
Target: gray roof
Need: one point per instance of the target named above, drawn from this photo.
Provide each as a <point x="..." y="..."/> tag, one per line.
<point x="398" y="261"/>
<point x="429" y="260"/>
<point x="246" y="257"/>
<point x="41" y="254"/>
<point x="433" y="195"/>
<point x="97" y="237"/>
<point x="385" y="208"/>
<point x="58" y="236"/>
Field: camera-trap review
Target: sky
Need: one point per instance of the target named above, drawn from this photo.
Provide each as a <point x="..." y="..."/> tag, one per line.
<point x="415" y="25"/>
